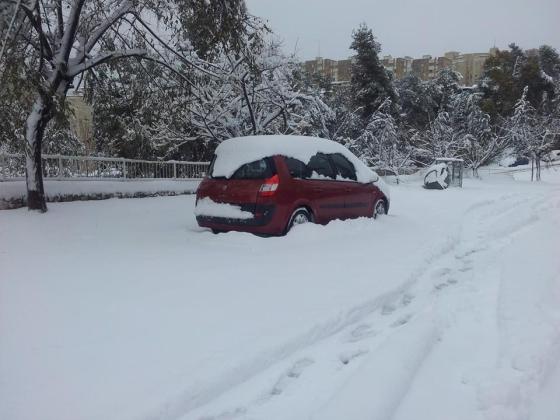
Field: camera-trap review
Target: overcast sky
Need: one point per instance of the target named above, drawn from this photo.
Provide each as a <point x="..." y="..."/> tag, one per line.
<point x="410" y="27"/>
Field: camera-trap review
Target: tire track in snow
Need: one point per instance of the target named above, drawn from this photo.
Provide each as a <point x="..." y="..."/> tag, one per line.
<point x="384" y="305"/>
<point x="496" y="229"/>
<point x="357" y="323"/>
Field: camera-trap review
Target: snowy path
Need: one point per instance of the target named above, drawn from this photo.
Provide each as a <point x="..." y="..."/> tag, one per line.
<point x="449" y="307"/>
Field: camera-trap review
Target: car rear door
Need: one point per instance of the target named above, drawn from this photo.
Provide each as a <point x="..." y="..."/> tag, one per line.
<point x="357" y="197"/>
<point x="322" y="188"/>
<point x="242" y="188"/>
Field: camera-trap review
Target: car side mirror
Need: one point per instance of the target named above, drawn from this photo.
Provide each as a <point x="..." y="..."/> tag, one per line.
<point x="375" y="178"/>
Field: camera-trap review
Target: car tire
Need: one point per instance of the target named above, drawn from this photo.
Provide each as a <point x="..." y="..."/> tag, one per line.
<point x="379" y="208"/>
<point x="300" y="216"/>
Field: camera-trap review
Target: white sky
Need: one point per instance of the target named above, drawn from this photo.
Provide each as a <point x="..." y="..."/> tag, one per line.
<point x="411" y="27"/>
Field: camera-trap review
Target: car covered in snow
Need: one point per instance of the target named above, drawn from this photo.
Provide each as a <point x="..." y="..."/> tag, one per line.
<point x="267" y="184"/>
<point x="554" y="156"/>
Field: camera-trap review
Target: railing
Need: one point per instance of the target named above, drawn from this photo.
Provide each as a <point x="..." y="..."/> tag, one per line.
<point x="555" y="165"/>
<point x="58" y="167"/>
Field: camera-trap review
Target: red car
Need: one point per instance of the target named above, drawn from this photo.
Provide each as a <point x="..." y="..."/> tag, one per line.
<point x="267" y="184"/>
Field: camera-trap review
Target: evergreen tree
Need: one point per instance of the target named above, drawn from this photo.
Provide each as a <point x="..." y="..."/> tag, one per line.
<point x="549" y="62"/>
<point x="443" y="88"/>
<point x="370" y="83"/>
<point x="507" y="74"/>
<point x="418" y="106"/>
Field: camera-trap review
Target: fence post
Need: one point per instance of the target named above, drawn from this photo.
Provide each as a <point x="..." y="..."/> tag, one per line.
<point x="124" y="168"/>
<point x="174" y="170"/>
<point x="59" y="167"/>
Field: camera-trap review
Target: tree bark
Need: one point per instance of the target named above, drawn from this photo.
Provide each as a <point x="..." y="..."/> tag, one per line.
<point x="35" y="127"/>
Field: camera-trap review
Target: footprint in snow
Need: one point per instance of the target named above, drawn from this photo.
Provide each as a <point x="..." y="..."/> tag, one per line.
<point x="293" y="373"/>
<point x="449" y="282"/>
<point x="468" y="265"/>
<point x="407" y="299"/>
<point x="441" y="272"/>
<point x="401" y="321"/>
<point x="388" y="309"/>
<point x="441" y="286"/>
<point x="467" y="253"/>
<point x="227" y="415"/>
<point x="361" y="332"/>
<point x="348" y="356"/>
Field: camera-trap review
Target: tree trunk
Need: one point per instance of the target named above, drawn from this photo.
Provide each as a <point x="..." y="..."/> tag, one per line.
<point x="532" y="169"/>
<point x="35" y="127"/>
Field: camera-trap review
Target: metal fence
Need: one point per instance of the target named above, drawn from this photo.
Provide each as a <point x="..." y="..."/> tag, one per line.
<point x="554" y="165"/>
<point x="58" y="167"/>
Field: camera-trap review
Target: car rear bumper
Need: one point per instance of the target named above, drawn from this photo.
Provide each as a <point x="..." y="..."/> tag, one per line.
<point x="262" y="222"/>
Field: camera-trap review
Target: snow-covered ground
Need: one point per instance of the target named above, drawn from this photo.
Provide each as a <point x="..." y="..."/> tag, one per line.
<point x="448" y="308"/>
<point x="12" y="191"/>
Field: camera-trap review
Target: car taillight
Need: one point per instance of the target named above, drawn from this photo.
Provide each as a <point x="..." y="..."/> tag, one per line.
<point x="269" y="187"/>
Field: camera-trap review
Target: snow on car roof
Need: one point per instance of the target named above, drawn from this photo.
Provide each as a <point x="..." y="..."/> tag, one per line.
<point x="233" y="153"/>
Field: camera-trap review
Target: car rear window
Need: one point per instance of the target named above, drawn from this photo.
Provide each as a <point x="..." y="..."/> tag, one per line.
<point x="343" y="166"/>
<point x="259" y="169"/>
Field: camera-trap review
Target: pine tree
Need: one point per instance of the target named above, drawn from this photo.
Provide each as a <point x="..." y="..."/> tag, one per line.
<point x="370" y="83"/>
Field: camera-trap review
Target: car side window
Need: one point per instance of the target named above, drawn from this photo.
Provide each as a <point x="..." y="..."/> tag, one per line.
<point x="319" y="167"/>
<point x="259" y="169"/>
<point x="297" y="168"/>
<point x="345" y="169"/>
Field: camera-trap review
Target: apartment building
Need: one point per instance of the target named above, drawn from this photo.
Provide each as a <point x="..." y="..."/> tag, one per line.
<point x="470" y="66"/>
<point x="339" y="71"/>
<point x="400" y="67"/>
<point x="427" y="67"/>
<point x="81" y="120"/>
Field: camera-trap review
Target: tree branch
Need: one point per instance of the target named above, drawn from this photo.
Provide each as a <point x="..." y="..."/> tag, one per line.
<point x="104" y="58"/>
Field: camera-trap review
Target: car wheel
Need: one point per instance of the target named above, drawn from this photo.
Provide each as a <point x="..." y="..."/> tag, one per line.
<point x="299" y="217"/>
<point x="380" y="208"/>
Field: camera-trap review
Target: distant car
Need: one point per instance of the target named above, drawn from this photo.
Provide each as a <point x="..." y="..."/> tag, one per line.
<point x="385" y="172"/>
<point x="520" y="161"/>
<point x="554" y="156"/>
<point x="268" y="184"/>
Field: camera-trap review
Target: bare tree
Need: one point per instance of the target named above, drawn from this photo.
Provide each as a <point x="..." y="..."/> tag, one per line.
<point x="531" y="133"/>
<point x="66" y="38"/>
